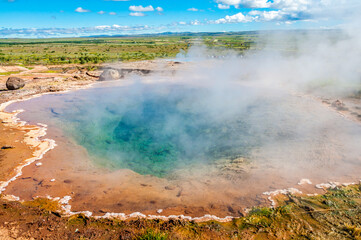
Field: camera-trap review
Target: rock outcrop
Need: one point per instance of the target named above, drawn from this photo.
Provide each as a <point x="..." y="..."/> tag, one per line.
<point x="339" y="105"/>
<point x="109" y="74"/>
<point x="7" y="147"/>
<point x="14" y="83"/>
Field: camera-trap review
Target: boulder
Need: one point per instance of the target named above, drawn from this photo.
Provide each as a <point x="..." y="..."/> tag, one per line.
<point x="339" y="105"/>
<point x="14" y="83"/>
<point x="7" y="147"/>
<point x="109" y="74"/>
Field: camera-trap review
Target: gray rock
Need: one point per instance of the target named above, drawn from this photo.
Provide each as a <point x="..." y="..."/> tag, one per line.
<point x="14" y="83"/>
<point x="109" y="74"/>
<point x="339" y="105"/>
<point x="7" y="147"/>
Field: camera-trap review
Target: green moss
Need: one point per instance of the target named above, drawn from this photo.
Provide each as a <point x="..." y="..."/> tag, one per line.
<point x="263" y="211"/>
<point x="78" y="220"/>
<point x="44" y="203"/>
<point x="150" y="234"/>
<point x="355" y="231"/>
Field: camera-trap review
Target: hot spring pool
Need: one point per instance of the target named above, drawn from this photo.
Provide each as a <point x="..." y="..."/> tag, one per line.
<point x="154" y="129"/>
<point x="190" y="148"/>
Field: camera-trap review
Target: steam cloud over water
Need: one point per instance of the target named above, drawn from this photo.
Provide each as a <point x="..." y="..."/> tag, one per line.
<point x="226" y="105"/>
<point x="218" y="132"/>
<point x="225" y="108"/>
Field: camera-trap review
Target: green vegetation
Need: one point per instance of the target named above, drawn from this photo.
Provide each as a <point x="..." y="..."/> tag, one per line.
<point x="334" y="215"/>
<point x="111" y="49"/>
<point x="88" y="50"/>
<point x="8" y="73"/>
<point x="94" y="50"/>
<point x="151" y="235"/>
<point x="239" y="43"/>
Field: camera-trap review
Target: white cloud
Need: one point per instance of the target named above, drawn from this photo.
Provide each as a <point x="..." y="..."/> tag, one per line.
<point x="112" y="13"/>
<point x="286" y="5"/>
<point x="140" y="8"/>
<point x="237" y="18"/>
<point x="246" y="3"/>
<point x="159" y="9"/>
<point x="268" y="15"/>
<point x="286" y="11"/>
<point x="137" y="14"/>
<point x="257" y="16"/>
<point x="101" y="12"/>
<point x="81" y="10"/>
<point x="118" y="27"/>
<point x="195" y="22"/>
<point x="223" y="6"/>
<point x="295" y="5"/>
<point x="102" y="27"/>
<point x="193" y="9"/>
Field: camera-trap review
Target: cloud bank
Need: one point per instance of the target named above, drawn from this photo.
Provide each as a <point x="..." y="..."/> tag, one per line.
<point x="286" y="10"/>
<point x="70" y="32"/>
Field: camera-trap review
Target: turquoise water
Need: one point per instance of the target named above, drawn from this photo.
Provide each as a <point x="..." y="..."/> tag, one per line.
<point x="154" y="129"/>
<point x="158" y="129"/>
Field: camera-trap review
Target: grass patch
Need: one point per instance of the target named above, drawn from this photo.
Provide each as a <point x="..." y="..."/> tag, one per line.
<point x="88" y="50"/>
<point x="150" y="234"/>
<point x="9" y="73"/>
<point x="52" y="71"/>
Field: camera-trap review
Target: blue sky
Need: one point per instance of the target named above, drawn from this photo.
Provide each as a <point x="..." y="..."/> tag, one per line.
<point x="53" y="18"/>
